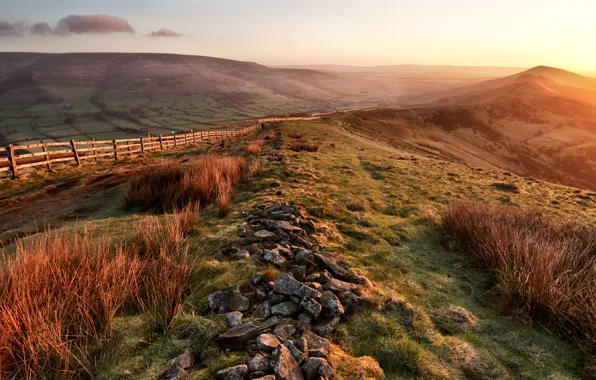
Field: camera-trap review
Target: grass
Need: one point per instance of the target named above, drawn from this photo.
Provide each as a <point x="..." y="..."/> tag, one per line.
<point x="543" y="267"/>
<point x="299" y="146"/>
<point x="432" y="313"/>
<point x="255" y="146"/>
<point x="207" y="179"/>
<point x="61" y="292"/>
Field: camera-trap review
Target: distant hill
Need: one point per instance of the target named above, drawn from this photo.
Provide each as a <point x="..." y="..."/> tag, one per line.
<point x="539" y="123"/>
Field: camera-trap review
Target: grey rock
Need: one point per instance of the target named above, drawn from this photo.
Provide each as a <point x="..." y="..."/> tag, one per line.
<point x="236" y="301"/>
<point x="265" y="235"/>
<point x="338" y="286"/>
<point x="256" y="279"/>
<point x="302" y="255"/>
<point x="284" y="366"/>
<point x="233" y="373"/>
<point x="325" y="326"/>
<point x="259" y="362"/>
<point x="274" y="257"/>
<point x="237" y="336"/>
<point x="275" y="298"/>
<point x="217" y="301"/>
<point x="345" y="275"/>
<point x="285" y="309"/>
<point x="299" y="272"/>
<point x="285" y="330"/>
<point x="234" y="318"/>
<point x="298" y="355"/>
<point x="261" y="294"/>
<point x="349" y="300"/>
<point x="285" y="284"/>
<point x="185" y="360"/>
<point x="320" y="277"/>
<point x="325" y="371"/>
<point x="311" y="306"/>
<point x="304" y="320"/>
<point x="317" y="345"/>
<point x="262" y="310"/>
<point x="332" y="307"/>
<point x="274" y="225"/>
<point x="301" y="344"/>
<point x="267" y="342"/>
<point x="316" y="369"/>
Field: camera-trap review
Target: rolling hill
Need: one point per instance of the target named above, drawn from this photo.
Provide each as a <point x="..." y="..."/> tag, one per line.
<point x="539" y="123"/>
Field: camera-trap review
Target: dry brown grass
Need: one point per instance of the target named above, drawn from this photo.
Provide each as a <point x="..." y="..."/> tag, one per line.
<point x="255" y="146"/>
<point x="59" y="293"/>
<point x="295" y="135"/>
<point x="269" y="136"/>
<point x="299" y="146"/>
<point x="542" y="266"/>
<point x="170" y="185"/>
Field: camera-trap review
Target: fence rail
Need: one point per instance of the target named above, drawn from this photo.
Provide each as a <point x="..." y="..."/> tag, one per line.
<point x="14" y="158"/>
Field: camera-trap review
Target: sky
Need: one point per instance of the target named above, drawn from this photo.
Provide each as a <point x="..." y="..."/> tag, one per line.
<point x="519" y="33"/>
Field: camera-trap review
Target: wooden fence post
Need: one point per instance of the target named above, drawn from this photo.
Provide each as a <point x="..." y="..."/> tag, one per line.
<point x="194" y="137"/>
<point x="75" y="152"/>
<point x="142" y="146"/>
<point x="160" y="143"/>
<point x="13" y="161"/>
<point x="115" y="149"/>
<point x="45" y="149"/>
<point x="201" y="135"/>
<point x="95" y="150"/>
<point x="175" y="140"/>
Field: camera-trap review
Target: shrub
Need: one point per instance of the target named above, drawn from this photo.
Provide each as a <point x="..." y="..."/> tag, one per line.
<point x="59" y="293"/>
<point x="255" y="146"/>
<point x="269" y="136"/>
<point x="299" y="146"/>
<point x="170" y="185"/>
<point x="295" y="135"/>
<point x="541" y="265"/>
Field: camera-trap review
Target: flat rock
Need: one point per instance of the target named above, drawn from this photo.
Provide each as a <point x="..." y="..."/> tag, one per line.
<point x="285" y="284"/>
<point x="265" y="235"/>
<point x="267" y="342"/>
<point x="285" y="309"/>
<point x="237" y="336"/>
<point x="185" y="360"/>
<point x="233" y="373"/>
<point x="338" y="286"/>
<point x="317" y="345"/>
<point x="285" y="367"/>
<point x="332" y="307"/>
<point x="285" y="330"/>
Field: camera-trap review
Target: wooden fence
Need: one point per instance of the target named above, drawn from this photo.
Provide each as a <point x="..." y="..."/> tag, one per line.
<point x="14" y="158"/>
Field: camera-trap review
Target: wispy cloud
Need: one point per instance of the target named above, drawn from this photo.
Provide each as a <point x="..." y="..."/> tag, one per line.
<point x="164" y="32"/>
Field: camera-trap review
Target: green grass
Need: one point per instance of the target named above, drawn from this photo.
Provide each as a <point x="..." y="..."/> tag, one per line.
<point x="374" y="204"/>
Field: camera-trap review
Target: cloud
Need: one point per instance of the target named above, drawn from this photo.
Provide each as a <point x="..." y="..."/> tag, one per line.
<point x="92" y="24"/>
<point x="164" y="32"/>
<point x="8" y="29"/>
<point x="73" y="24"/>
<point x="42" y="29"/>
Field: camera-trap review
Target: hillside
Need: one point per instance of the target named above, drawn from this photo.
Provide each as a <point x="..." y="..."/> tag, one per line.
<point x="533" y="125"/>
<point x="430" y="312"/>
<point x="115" y="95"/>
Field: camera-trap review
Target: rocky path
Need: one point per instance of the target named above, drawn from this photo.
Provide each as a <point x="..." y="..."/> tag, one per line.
<point x="291" y="317"/>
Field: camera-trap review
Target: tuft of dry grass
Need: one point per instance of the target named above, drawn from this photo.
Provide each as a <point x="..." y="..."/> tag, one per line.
<point x="543" y="266"/>
<point x="255" y="146"/>
<point x="59" y="292"/>
<point x="170" y="185"/>
<point x="295" y="135"/>
<point x="270" y="136"/>
<point x="299" y="146"/>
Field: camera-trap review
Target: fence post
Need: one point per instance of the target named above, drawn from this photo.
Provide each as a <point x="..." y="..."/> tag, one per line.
<point x="95" y="149"/>
<point x="75" y="152"/>
<point x="115" y="149"/>
<point x="142" y="146"/>
<point x="201" y="135"/>
<point x="160" y="143"/>
<point x="13" y="161"/>
<point x="175" y="140"/>
<point x="45" y="149"/>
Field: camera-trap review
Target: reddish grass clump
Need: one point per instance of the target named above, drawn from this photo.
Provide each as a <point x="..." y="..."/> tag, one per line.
<point x="170" y="185"/>
<point x="295" y="135"/>
<point x="299" y="146"/>
<point x="269" y="136"/>
<point x="255" y="146"/>
<point x="544" y="266"/>
<point x="59" y="293"/>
